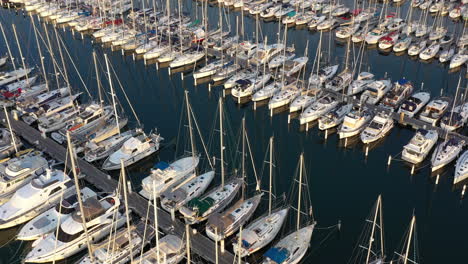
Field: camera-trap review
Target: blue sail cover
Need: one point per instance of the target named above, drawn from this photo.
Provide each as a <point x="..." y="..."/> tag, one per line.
<point x="402" y="81"/>
<point x="278" y="255"/>
<point x="161" y="165"/>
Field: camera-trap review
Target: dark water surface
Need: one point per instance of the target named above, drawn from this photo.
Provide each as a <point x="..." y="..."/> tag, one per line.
<point x="343" y="183"/>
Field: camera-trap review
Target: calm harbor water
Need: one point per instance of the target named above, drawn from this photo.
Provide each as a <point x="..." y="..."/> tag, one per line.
<point x="343" y="183"/>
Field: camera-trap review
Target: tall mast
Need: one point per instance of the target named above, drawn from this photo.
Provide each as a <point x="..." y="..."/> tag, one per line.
<point x="271" y="176"/>
<point x="243" y="156"/>
<point x="189" y="117"/>
<point x="52" y="55"/>
<point x="63" y="61"/>
<point x="155" y="207"/>
<point x="124" y="183"/>
<point x="112" y="93"/>
<point x="408" y="243"/>
<point x="301" y="165"/>
<point x="78" y="195"/>
<point x="13" y="140"/>
<point x="40" y="53"/>
<point x="221" y="140"/>
<point x="374" y="224"/>
<point x="97" y="78"/>
<point x="8" y="47"/>
<point x="21" y="53"/>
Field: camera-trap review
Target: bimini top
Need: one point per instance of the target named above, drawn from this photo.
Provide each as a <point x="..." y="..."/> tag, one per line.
<point x="278" y="255"/>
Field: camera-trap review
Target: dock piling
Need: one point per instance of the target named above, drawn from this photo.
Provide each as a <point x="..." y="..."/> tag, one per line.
<point x="326" y="133"/>
<point x="172" y="214"/>
<point x="289" y="119"/>
<point x="463" y="191"/>
<point x="255" y="105"/>
<point x="307" y="127"/>
<point x="437" y="179"/>
<point x="182" y="76"/>
<point x="412" y="170"/>
<point x="367" y="150"/>
<point x="389" y="160"/>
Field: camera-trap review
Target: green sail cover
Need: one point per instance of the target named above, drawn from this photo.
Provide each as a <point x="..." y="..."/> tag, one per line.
<point x="201" y="204"/>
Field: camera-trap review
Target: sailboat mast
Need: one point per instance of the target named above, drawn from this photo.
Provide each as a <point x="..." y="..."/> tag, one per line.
<point x="221" y="142"/>
<point x="124" y="183"/>
<point x="112" y="93"/>
<point x="63" y="62"/>
<point x="40" y="53"/>
<point x="189" y="117"/>
<point x="410" y="235"/>
<point x="301" y="165"/>
<point x="8" y="47"/>
<point x="11" y="130"/>
<point x="371" y="239"/>
<point x="54" y="62"/>
<point x="243" y="147"/>
<point x="97" y="78"/>
<point x="271" y="176"/>
<point x="21" y="53"/>
<point x="155" y="207"/>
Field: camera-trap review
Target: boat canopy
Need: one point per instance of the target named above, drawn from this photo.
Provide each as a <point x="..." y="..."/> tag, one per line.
<point x="162" y="165"/>
<point x="202" y="205"/>
<point x="402" y="81"/>
<point x="278" y="255"/>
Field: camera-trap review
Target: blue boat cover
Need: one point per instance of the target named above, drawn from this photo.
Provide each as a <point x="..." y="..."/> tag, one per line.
<point x="245" y="243"/>
<point x="162" y="165"/>
<point x="278" y="255"/>
<point x="228" y="64"/>
<point x="402" y="81"/>
<point x="243" y="82"/>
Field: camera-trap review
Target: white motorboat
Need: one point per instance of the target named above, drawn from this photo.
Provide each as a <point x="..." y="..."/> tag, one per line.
<point x="171" y="251"/>
<point x="354" y="122"/>
<point x="101" y="216"/>
<point x="317" y="109"/>
<point x="435" y="109"/>
<point x="358" y="85"/>
<point x="430" y="51"/>
<point x="414" y="104"/>
<point x="416" y="48"/>
<point x="101" y="150"/>
<point x="260" y="232"/>
<point x="461" y="168"/>
<point x="47" y="222"/>
<point x="290" y="249"/>
<point x="335" y="117"/>
<point x="173" y="200"/>
<point x="455" y="119"/>
<point x="36" y="197"/>
<point x="375" y="91"/>
<point x="378" y="128"/>
<point x="133" y="150"/>
<point x="446" y="152"/>
<point x="399" y="92"/>
<point x="165" y="176"/>
<point x="419" y="146"/>
<point x="19" y="171"/>
<point x="199" y="209"/>
<point x="223" y="225"/>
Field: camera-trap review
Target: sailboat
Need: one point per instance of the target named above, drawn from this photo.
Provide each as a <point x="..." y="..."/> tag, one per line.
<point x="409" y="251"/>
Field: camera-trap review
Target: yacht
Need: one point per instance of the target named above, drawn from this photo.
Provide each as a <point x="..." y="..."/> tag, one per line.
<point x="9" y="77"/>
<point x="459" y="59"/>
<point x="446" y="54"/>
<point x="101" y="216"/>
<point x="399" y="92"/>
<point x="378" y="128"/>
<point x="164" y="176"/>
<point x="133" y="150"/>
<point x="36" y="197"/>
<point x="461" y="169"/>
<point x="267" y="92"/>
<point x="446" y="152"/>
<point x="302" y="101"/>
<point x="211" y="68"/>
<point x="414" y="103"/>
<point x="171" y="251"/>
<point x="402" y="44"/>
<point x="358" y="85"/>
<point x="417" y="47"/>
<point x="389" y="40"/>
<point x="223" y="225"/>
<point x="87" y="122"/>
<point x="317" y="109"/>
<point x="58" y="120"/>
<point x="290" y="249"/>
<point x="97" y="151"/>
<point x="244" y="74"/>
<point x="292" y="67"/>
<point x="49" y="109"/>
<point x="335" y="117"/>
<point x="225" y="72"/>
<point x="173" y="200"/>
<point x="281" y="59"/>
<point x="316" y="20"/>
<point x="199" y="209"/>
<point x="260" y="232"/>
<point x="247" y="87"/>
<point x="285" y="96"/>
<point x="263" y="53"/>
<point x="430" y="51"/>
<point x="419" y="146"/>
<point x="354" y="122"/>
<point x="324" y="74"/>
<point x="375" y="91"/>
<point x="187" y="58"/>
<point x="374" y="35"/>
<point x="19" y="171"/>
<point x="6" y="143"/>
<point x="435" y="109"/>
<point x="47" y="222"/>
<point x="453" y="120"/>
<point x="340" y="81"/>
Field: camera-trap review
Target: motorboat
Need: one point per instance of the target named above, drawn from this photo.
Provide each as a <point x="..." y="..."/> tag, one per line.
<point x="165" y="176"/>
<point x="223" y="225"/>
<point x="101" y="216"/>
<point x="416" y="48"/>
<point x="19" y="171"/>
<point x="389" y="40"/>
<point x="435" y="109"/>
<point x="133" y="150"/>
<point x="317" y="109"/>
<point x="259" y="233"/>
<point x="378" y="128"/>
<point x="101" y="150"/>
<point x="430" y="51"/>
<point x="398" y="94"/>
<point x="373" y="36"/>
<point x="199" y="209"/>
<point x="419" y="146"/>
<point x="173" y="200"/>
<point x="354" y="122"/>
<point x="358" y="85"/>
<point x="47" y="222"/>
<point x="290" y="249"/>
<point x="446" y="152"/>
<point x="36" y="197"/>
<point x="414" y="103"/>
<point x="461" y="168"/>
<point x="375" y="91"/>
<point x="455" y="119"/>
<point x="171" y="251"/>
<point x="335" y="117"/>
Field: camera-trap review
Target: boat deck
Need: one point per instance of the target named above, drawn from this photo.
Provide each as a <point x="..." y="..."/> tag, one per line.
<point x="200" y="245"/>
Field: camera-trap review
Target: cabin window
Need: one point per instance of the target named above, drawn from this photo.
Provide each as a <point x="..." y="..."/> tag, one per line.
<point x="65" y="237"/>
<point x="55" y="190"/>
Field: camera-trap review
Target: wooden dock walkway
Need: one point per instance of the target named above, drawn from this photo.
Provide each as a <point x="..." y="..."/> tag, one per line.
<point x="200" y="245"/>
